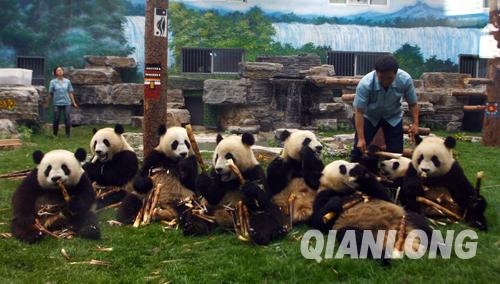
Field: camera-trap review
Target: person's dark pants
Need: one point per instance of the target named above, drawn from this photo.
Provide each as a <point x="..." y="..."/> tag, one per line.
<point x="393" y="136"/>
<point x="66" y="110"/>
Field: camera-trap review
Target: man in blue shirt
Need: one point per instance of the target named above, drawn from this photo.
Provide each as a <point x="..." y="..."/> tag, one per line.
<point x="377" y="104"/>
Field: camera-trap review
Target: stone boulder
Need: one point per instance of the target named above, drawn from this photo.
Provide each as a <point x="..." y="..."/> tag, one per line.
<point x="101" y="114"/>
<point x="252" y="129"/>
<point x="93" y="76"/>
<point x="175" y="96"/>
<point x="127" y="94"/>
<point x="292" y="65"/>
<point x="279" y="131"/>
<point x="7" y="129"/>
<point x="137" y="121"/>
<point x="225" y="92"/>
<point x="259" y="70"/>
<point x="426" y="108"/>
<point x="19" y="103"/>
<point x="322" y="70"/>
<point x="444" y="80"/>
<point x="178" y="117"/>
<point x="331" y="107"/>
<point x="118" y="62"/>
<point x="454" y="126"/>
<point x="93" y="94"/>
<point x="327" y="124"/>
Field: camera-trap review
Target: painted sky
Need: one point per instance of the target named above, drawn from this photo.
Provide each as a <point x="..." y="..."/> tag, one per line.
<point x="322" y="7"/>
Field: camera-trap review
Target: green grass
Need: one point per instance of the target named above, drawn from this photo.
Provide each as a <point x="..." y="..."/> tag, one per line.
<point x="151" y="254"/>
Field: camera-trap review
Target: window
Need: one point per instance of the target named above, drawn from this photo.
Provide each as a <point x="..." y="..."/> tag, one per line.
<point x="378" y="2"/>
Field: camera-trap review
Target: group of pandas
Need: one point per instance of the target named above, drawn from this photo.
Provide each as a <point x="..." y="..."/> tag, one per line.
<point x="298" y="176"/>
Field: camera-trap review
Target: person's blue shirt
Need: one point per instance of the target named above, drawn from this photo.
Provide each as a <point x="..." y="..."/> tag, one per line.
<point x="377" y="103"/>
<point x="60" y="91"/>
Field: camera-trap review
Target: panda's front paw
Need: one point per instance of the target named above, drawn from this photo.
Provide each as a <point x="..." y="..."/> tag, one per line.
<point x="276" y="165"/>
<point x="92" y="171"/>
<point x="142" y="184"/>
<point x="203" y="183"/>
<point x="91" y="232"/>
<point x="334" y="205"/>
<point x="76" y="205"/>
<point x="24" y="230"/>
<point x="475" y="214"/>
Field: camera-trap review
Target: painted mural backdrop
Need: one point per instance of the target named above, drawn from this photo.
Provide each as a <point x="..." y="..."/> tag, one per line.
<point x="426" y="35"/>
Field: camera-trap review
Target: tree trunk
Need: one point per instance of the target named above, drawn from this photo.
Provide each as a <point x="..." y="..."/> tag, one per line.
<point x="155" y="52"/>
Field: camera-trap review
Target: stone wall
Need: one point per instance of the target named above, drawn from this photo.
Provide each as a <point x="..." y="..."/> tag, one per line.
<point x="19" y="103"/>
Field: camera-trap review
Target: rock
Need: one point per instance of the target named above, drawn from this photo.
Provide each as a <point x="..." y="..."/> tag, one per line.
<point x="7" y="129"/>
<point x="292" y="65"/>
<point x="93" y="76"/>
<point x="252" y="129"/>
<point x="343" y="138"/>
<point x="326" y="124"/>
<point x="418" y="84"/>
<point x="135" y="141"/>
<point x="101" y="114"/>
<point x="249" y="121"/>
<point x="266" y="153"/>
<point x="444" y="80"/>
<point x="175" y="96"/>
<point x="93" y="94"/>
<point x="473" y="139"/>
<point x="119" y="62"/>
<point x="178" y="117"/>
<point x="184" y="83"/>
<point x="331" y="107"/>
<point x="259" y="70"/>
<point x="260" y="92"/>
<point x="127" y="94"/>
<point x="454" y="126"/>
<point x="426" y="108"/>
<point x="322" y="70"/>
<point x="225" y="92"/>
<point x="19" y="103"/>
<point x="137" y="121"/>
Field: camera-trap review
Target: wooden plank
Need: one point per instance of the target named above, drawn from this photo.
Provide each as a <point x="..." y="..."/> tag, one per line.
<point x="478" y="81"/>
<point x="467" y="93"/>
<point x="474" y="108"/>
<point x="10" y="144"/>
<point x="348" y="97"/>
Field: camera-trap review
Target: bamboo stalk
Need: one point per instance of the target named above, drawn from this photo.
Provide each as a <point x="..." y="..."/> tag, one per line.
<point x="291" y="205"/>
<point x="445" y="211"/>
<point x="329" y="216"/>
<point x="400" y="241"/>
<point x="16" y="174"/>
<point x="63" y="190"/>
<point x="194" y="144"/>
<point x="384" y="154"/>
<point x="44" y="230"/>
<point x="138" y="218"/>
<point x="474" y="107"/>
<point x="232" y="166"/>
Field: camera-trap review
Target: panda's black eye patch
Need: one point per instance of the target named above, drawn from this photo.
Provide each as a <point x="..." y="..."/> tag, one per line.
<point x="395" y="165"/>
<point x="420" y="159"/>
<point x="174" y="145"/>
<point x="47" y="170"/>
<point x="343" y="170"/>
<point x="216" y="157"/>
<point x="436" y="161"/>
<point x="187" y="144"/>
<point x="65" y="169"/>
<point x="95" y="144"/>
<point x="229" y="156"/>
<point x="106" y="142"/>
<point x="306" y="142"/>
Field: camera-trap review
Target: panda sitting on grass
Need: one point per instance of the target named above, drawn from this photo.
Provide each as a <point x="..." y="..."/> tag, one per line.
<point x="294" y="176"/>
<point x="113" y="166"/>
<point x="221" y="189"/>
<point x="434" y="172"/>
<point x="40" y="189"/>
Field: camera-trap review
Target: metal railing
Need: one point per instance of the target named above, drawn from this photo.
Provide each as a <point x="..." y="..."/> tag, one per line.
<point x="349" y="63"/>
<point x="474" y="65"/>
<point x="35" y="63"/>
<point x="211" y="60"/>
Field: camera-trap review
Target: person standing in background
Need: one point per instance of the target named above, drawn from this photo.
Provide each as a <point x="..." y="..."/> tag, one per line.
<point x="61" y="92"/>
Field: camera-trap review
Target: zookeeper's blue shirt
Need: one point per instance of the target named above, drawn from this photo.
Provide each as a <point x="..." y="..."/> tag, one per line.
<point x="60" y="91"/>
<point x="378" y="104"/>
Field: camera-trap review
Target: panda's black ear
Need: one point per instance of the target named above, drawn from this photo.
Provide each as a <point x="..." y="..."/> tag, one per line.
<point x="119" y="129"/>
<point x="37" y="156"/>
<point x="80" y="154"/>
<point x="162" y="130"/>
<point x="284" y="135"/>
<point x="418" y="139"/>
<point x="247" y="139"/>
<point x="218" y="139"/>
<point x="450" y="142"/>
<point x="94" y="130"/>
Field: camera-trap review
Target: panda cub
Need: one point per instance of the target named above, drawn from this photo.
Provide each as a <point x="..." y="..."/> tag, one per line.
<point x="395" y="171"/>
<point x="221" y="189"/>
<point x="113" y="166"/>
<point x="40" y="191"/>
<point x="435" y="174"/>
<point x="293" y="177"/>
<point x="173" y="165"/>
<point x="343" y="182"/>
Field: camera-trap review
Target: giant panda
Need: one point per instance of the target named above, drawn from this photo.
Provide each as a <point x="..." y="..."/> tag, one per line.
<point x="173" y="165"/>
<point x="40" y="190"/>
<point x="435" y="174"/>
<point x="342" y="182"/>
<point x="113" y="166"/>
<point x="221" y="189"/>
<point x="395" y="171"/>
<point x="293" y="177"/>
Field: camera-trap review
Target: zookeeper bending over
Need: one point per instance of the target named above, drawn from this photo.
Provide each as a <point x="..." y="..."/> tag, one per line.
<point x="377" y="104"/>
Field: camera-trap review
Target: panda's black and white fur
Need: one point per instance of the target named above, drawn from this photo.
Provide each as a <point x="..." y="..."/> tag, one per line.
<point x="41" y="188"/>
<point x="342" y="182"/>
<point x="114" y="164"/>
<point x="220" y="187"/>
<point x="434" y="167"/>
<point x="296" y="172"/>
<point x="173" y="155"/>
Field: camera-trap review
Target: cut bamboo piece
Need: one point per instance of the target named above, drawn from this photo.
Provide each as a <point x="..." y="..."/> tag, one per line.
<point x="194" y="144"/>
<point x="329" y="216"/>
<point x="63" y="190"/>
<point x="291" y="205"/>
<point x="474" y="108"/>
<point x="232" y="166"/>
<point x="348" y="97"/>
<point x="421" y="130"/>
<point x="445" y="211"/>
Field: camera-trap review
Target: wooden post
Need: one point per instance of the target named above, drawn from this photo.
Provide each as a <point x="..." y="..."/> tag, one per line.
<point x="491" y="126"/>
<point x="155" y="52"/>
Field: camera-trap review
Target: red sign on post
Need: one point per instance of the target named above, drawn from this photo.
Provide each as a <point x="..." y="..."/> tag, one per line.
<point x="152" y="82"/>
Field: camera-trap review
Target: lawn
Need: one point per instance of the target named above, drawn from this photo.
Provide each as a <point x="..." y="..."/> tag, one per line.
<point x="154" y="254"/>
